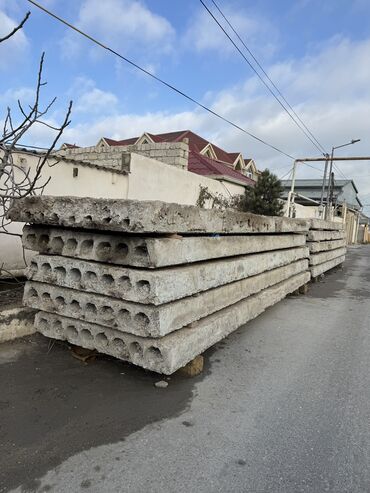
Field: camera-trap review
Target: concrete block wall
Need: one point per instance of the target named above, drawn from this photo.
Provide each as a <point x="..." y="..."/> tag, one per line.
<point x="152" y="283"/>
<point x="175" y="154"/>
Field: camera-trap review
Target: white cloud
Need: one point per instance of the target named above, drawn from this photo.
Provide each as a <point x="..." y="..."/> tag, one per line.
<point x="329" y="90"/>
<point x="203" y="34"/>
<point x="91" y="100"/>
<point x="123" y="24"/>
<point x="11" y="50"/>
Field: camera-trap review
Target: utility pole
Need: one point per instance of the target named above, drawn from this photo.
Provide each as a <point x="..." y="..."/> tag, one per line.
<point x="329" y="194"/>
<point x="323" y="185"/>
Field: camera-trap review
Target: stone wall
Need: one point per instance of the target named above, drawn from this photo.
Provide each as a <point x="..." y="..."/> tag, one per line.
<point x="173" y="153"/>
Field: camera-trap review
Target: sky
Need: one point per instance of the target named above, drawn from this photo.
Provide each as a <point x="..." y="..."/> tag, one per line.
<point x="317" y="53"/>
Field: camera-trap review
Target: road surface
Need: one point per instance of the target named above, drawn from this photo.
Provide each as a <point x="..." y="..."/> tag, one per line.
<point x="283" y="406"/>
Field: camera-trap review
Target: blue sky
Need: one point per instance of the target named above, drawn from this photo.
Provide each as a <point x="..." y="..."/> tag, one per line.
<point x="317" y="52"/>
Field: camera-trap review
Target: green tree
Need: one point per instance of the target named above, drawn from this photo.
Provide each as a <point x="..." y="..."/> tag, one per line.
<point x="265" y="197"/>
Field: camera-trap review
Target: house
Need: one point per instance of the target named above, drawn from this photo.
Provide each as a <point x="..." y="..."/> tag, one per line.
<point x="344" y="192"/>
<point x="202" y="157"/>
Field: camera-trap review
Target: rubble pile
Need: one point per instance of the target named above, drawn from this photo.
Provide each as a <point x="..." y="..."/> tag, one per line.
<point x="327" y="244"/>
<point x="153" y="283"/>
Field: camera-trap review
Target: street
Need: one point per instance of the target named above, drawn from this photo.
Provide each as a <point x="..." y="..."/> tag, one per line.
<point x="282" y="406"/>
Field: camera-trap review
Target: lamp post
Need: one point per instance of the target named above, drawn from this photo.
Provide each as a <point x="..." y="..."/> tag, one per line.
<point x="331" y="181"/>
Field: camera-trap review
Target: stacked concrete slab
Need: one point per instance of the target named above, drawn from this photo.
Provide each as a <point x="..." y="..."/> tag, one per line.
<point x="327" y="244"/>
<point x="154" y="283"/>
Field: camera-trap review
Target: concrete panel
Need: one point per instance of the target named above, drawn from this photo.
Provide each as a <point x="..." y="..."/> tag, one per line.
<point x="325" y="235"/>
<point x="150" y="320"/>
<point x="134" y="216"/>
<point x="150" y="252"/>
<point x="175" y="350"/>
<point x="324" y="246"/>
<point x="321" y="224"/>
<point x="155" y="286"/>
<point x="316" y="270"/>
<point x="319" y="258"/>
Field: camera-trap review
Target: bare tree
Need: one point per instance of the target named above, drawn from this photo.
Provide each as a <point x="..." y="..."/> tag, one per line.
<point x="15" y="181"/>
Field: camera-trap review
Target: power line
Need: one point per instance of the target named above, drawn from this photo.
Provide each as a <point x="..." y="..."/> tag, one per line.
<point x="313" y="167"/>
<point x="307" y="133"/>
<point x="158" y="79"/>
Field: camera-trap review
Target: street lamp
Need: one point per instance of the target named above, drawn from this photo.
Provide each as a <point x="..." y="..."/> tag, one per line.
<point x="329" y="195"/>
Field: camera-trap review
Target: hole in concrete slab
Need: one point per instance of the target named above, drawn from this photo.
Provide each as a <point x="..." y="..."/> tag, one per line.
<point x="90" y="276"/>
<point x="88" y="218"/>
<point x="31" y="240"/>
<point x="57" y="244"/>
<point x="141" y="319"/>
<point x="126" y="221"/>
<point x="71" y="245"/>
<point x="107" y="279"/>
<point x="58" y="327"/>
<point x="71" y="332"/>
<point x="32" y="293"/>
<point x="54" y="217"/>
<point x="91" y="309"/>
<point x="86" y="336"/>
<point x="101" y="339"/>
<point x="75" y="306"/>
<point x="43" y="324"/>
<point x="46" y="296"/>
<point x="106" y="311"/>
<point x="72" y="219"/>
<point x="46" y="268"/>
<point x="136" y="349"/>
<point x="143" y="287"/>
<point x="154" y="353"/>
<point x="103" y="250"/>
<point x="60" y="302"/>
<point x="43" y="242"/>
<point x="75" y="274"/>
<point x="33" y="267"/>
<point x="124" y="316"/>
<point x="121" y="249"/>
<point x="120" y="347"/>
<point x="60" y="272"/>
<point x="86" y="247"/>
<point x="141" y="250"/>
<point x="124" y="282"/>
<point x="107" y="220"/>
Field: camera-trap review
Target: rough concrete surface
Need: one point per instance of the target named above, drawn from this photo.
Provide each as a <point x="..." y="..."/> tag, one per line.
<point x="281" y="407"/>
<point x="150" y="320"/>
<point x="155" y="286"/>
<point x="173" y="351"/>
<point x="16" y="322"/>
<point x="134" y="216"/>
<point x="321" y="224"/>
<point x="316" y="270"/>
<point x="324" y="246"/>
<point x="149" y="252"/>
<point x="320" y="258"/>
<point x="314" y="235"/>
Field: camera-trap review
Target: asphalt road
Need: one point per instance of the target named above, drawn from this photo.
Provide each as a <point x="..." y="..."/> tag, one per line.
<point x="283" y="406"/>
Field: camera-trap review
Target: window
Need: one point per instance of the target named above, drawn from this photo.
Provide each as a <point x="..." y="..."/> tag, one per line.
<point x="75" y="172"/>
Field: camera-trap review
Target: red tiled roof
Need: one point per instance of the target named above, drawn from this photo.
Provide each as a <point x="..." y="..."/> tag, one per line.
<point x="202" y="165"/>
<point x="70" y="146"/>
<point x="205" y="166"/>
<point x="196" y="143"/>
